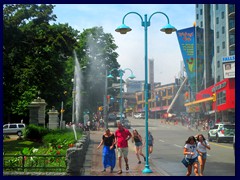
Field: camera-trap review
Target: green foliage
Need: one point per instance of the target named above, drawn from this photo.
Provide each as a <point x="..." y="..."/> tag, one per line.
<point x="36" y="133"/>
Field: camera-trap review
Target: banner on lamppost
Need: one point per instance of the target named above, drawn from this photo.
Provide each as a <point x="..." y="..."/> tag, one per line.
<point x="186" y="39"/>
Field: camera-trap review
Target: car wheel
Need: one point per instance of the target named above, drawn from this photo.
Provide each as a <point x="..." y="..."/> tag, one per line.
<point x="19" y="133"/>
<point x="209" y="138"/>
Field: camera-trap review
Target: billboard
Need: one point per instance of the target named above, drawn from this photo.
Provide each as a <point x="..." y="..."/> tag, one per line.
<point x="186" y="39"/>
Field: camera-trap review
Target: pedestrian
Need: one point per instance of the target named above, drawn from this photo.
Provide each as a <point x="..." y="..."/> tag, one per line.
<point x="137" y="139"/>
<point x="202" y="146"/>
<point x="150" y="143"/>
<point x="108" y="151"/>
<point x="191" y="155"/>
<point x="122" y="135"/>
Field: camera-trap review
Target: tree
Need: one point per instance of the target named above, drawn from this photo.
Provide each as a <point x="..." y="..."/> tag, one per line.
<point x="35" y="56"/>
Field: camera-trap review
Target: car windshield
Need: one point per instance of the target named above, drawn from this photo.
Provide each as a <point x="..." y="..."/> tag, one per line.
<point x="229" y="130"/>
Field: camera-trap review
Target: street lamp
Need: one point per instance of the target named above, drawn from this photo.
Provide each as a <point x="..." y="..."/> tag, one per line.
<point x="120" y="73"/>
<point x="168" y="29"/>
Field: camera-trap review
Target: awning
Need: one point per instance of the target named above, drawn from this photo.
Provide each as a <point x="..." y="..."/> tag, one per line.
<point x="199" y="101"/>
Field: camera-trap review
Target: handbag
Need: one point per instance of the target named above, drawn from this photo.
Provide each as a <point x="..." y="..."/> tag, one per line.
<point x="185" y="162"/>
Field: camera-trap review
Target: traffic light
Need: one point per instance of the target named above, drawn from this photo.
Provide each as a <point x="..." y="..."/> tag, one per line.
<point x="214" y="97"/>
<point x="149" y="91"/>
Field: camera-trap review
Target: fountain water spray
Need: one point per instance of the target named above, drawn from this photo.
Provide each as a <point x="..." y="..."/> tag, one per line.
<point x="77" y="90"/>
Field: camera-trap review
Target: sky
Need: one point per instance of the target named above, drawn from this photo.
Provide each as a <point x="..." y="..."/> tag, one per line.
<point x="163" y="48"/>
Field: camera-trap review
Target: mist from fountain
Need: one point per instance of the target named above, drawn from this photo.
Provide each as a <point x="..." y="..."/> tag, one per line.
<point x="77" y="89"/>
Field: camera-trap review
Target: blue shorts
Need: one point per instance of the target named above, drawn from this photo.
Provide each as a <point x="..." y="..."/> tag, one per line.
<point x="203" y="155"/>
<point x="138" y="144"/>
<point x="191" y="161"/>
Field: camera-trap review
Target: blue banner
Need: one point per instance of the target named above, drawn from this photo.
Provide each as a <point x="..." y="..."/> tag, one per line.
<point x="186" y="39"/>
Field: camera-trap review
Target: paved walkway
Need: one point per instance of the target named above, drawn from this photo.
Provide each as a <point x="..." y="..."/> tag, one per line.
<point x="93" y="162"/>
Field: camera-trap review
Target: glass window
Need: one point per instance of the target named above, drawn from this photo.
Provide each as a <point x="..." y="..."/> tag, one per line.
<point x="201" y="24"/>
<point x="217" y="49"/>
<point x="217" y="34"/>
<point x="217" y="20"/>
<point x="216" y="6"/>
<point x="223" y="45"/>
<point x="200" y="11"/>
<point x="197" y="17"/>
<point x="223" y="30"/>
<point x="218" y="64"/>
<point x="223" y="15"/>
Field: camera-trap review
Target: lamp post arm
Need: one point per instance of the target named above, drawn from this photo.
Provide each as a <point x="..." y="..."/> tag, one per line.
<point x="132" y="13"/>
<point x="158" y="13"/>
<point x="128" y="69"/>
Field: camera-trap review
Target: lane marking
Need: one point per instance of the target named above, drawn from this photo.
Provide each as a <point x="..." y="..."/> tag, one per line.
<point x="161" y="140"/>
<point x="178" y="146"/>
<point x="216" y="144"/>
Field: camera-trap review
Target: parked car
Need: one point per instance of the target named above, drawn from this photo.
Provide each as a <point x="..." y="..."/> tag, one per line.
<point x="14" y="128"/>
<point x="234" y="144"/>
<point x="127" y="124"/>
<point x="222" y="132"/>
<point x="112" y="117"/>
<point x="139" y="116"/>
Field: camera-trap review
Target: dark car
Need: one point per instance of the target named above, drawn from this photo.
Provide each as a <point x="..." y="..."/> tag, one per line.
<point x="112" y="117"/>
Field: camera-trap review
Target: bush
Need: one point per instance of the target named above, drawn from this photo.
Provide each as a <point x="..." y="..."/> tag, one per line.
<point x="35" y="133"/>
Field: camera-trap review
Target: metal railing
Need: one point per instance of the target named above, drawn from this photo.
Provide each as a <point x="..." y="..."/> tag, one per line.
<point x="34" y="163"/>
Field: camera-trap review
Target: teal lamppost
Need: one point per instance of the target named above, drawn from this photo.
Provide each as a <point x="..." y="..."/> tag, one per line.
<point x="168" y="29"/>
<point x="120" y="73"/>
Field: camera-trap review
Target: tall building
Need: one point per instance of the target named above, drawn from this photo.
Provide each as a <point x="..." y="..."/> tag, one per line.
<point x="215" y="65"/>
<point x="215" y="25"/>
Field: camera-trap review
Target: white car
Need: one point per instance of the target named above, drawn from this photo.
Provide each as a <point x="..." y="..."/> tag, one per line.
<point x="14" y="128"/>
<point x="222" y="132"/>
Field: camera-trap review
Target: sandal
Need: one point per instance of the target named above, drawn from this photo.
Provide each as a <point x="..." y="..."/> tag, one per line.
<point x="119" y="172"/>
<point x="127" y="167"/>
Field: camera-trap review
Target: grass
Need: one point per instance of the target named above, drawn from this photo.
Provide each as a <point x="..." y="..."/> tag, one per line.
<point x="15" y="146"/>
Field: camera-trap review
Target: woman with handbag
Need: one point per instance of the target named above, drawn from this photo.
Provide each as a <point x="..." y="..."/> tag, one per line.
<point x="108" y="151"/>
<point x="202" y="147"/>
<point x="191" y="155"/>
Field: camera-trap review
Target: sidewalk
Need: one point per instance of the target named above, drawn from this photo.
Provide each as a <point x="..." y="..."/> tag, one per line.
<point x="93" y="161"/>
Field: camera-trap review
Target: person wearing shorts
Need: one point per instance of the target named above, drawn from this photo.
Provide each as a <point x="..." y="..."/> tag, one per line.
<point x="202" y="147"/>
<point x="191" y="154"/>
<point x="122" y="135"/>
<point x="137" y="139"/>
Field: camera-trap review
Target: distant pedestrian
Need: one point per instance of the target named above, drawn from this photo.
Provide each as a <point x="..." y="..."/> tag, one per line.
<point x="137" y="139"/>
<point x="150" y="143"/>
<point x="202" y="146"/>
<point x="122" y="135"/>
<point x="108" y="151"/>
<point x="191" y="155"/>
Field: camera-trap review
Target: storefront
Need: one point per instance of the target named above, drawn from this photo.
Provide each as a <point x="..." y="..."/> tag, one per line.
<point x="217" y="101"/>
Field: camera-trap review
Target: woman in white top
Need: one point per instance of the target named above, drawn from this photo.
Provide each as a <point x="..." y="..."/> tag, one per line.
<point x="190" y="151"/>
<point x="202" y="147"/>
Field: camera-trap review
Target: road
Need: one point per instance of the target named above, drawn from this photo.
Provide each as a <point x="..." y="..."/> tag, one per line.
<point x="168" y="149"/>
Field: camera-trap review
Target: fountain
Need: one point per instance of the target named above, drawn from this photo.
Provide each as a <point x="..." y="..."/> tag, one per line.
<point x="76" y="90"/>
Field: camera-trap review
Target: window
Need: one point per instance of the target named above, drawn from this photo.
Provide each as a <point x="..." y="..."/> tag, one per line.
<point x="217" y="34"/>
<point x="221" y="97"/>
<point x="222" y="15"/>
<point x="223" y="30"/>
<point x="201" y="24"/>
<point x="223" y="45"/>
<point x="217" y="49"/>
<point x="217" y="20"/>
<point x="200" y="11"/>
<point x="197" y="16"/>
<point x="216" y="6"/>
<point x="218" y="64"/>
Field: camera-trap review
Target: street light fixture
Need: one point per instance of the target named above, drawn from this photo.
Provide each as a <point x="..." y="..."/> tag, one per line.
<point x="168" y="29"/>
<point x="120" y="73"/>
